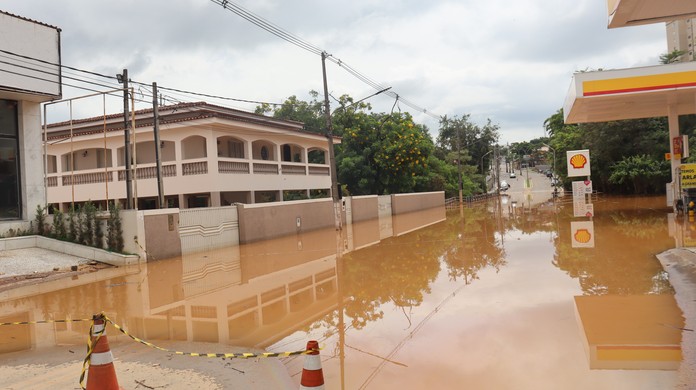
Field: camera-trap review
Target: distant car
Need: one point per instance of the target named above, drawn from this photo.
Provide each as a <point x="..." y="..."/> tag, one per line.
<point x="549" y="174"/>
<point x="512" y="175"/>
<point x="504" y="185"/>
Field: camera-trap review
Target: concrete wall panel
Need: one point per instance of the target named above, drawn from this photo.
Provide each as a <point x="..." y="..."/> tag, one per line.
<point x="406" y="203"/>
<point x="162" y="234"/>
<point x="264" y="221"/>
<point x="364" y="208"/>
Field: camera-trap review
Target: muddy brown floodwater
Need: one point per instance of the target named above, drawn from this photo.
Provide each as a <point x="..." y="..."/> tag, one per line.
<point x="496" y="296"/>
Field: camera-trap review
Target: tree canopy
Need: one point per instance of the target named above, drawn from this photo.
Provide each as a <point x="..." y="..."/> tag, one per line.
<point x="386" y="153"/>
<point x="627" y="156"/>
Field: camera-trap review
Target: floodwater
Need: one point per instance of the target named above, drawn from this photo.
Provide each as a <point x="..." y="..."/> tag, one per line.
<point x="496" y="296"/>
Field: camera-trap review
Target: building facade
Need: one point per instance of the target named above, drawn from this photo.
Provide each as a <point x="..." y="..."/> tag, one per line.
<point x="29" y="75"/>
<point x="680" y="36"/>
<point x="210" y="156"/>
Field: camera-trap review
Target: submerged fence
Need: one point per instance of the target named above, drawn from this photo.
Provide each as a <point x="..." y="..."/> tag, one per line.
<point x="453" y="202"/>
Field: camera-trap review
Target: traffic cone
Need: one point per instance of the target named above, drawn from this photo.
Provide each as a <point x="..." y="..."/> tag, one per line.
<point x="312" y="375"/>
<point x="101" y="374"/>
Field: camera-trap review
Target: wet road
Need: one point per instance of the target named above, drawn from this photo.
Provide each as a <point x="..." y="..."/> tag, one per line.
<point x="490" y="297"/>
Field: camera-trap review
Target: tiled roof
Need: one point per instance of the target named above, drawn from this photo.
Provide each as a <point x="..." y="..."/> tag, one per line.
<point x="177" y="113"/>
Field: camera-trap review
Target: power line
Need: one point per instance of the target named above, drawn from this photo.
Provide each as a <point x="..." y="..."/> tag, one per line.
<point x="299" y="42"/>
<point x="59" y="65"/>
<point x="268" y="26"/>
<point x="35" y="67"/>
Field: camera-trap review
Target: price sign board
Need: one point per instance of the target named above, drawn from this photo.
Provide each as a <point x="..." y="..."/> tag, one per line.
<point x="582" y="209"/>
<point x="688" y="176"/>
<point x="581" y="188"/>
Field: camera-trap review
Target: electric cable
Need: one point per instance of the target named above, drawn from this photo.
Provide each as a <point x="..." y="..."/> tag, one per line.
<point x="280" y="33"/>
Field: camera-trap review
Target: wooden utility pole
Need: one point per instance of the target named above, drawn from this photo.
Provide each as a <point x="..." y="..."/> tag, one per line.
<point x="158" y="158"/>
<point x="329" y="133"/>
<point x="126" y="138"/>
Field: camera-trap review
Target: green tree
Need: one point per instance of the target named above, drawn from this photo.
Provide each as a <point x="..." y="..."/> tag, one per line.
<point x="310" y="113"/>
<point x="671" y="57"/>
<point x="609" y="143"/>
<point x="383" y="153"/>
<point x="643" y="173"/>
<point x="458" y="134"/>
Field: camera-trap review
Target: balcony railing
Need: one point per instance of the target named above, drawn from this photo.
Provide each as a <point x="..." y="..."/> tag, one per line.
<point x="233" y="167"/>
<point x="199" y="167"/>
<point x="87" y="178"/>
<point x="194" y="168"/>
<point x="266" y="169"/>
<point x="319" y="171"/>
<point x="149" y="172"/>
<point x="293" y="169"/>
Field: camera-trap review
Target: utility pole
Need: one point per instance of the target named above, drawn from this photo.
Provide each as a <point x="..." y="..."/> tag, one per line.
<point x="459" y="168"/>
<point x="497" y="166"/>
<point x="329" y="132"/>
<point x="158" y="158"/>
<point x="126" y="137"/>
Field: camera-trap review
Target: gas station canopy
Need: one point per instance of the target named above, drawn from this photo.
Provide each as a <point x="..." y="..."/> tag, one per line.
<point x="646" y="92"/>
<point x="623" y="13"/>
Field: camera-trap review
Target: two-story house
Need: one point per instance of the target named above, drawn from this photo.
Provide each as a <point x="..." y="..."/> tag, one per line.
<point x="210" y="156"/>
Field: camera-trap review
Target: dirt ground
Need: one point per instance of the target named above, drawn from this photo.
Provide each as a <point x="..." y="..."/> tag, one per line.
<point x="140" y="367"/>
<point x="14" y="281"/>
<point x="137" y="366"/>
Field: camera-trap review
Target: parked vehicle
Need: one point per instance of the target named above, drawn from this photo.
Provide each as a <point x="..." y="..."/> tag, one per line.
<point x="512" y="175"/>
<point x="504" y="186"/>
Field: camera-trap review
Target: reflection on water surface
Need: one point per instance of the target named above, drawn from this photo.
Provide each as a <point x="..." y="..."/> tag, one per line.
<point x="489" y="296"/>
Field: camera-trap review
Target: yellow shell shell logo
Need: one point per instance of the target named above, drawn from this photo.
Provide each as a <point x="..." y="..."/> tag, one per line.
<point x="582" y="236"/>
<point x="578" y="161"/>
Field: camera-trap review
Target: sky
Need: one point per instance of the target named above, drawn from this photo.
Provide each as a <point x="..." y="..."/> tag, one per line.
<point x="510" y="62"/>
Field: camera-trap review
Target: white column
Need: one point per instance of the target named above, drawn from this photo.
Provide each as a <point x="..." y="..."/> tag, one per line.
<point x="673" y="122"/>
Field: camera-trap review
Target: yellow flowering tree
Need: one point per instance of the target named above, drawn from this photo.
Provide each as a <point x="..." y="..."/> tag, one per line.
<point x="382" y="153"/>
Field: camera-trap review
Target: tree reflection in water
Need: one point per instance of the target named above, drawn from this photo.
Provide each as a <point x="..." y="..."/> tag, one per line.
<point x="629" y="232"/>
<point x="401" y="269"/>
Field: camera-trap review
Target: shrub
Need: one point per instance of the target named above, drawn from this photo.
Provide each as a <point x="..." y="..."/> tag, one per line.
<point x="59" y="225"/>
<point x="114" y="234"/>
<point x="42" y="228"/>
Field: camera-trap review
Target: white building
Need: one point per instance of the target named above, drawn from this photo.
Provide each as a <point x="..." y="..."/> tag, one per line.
<point x="210" y="156"/>
<point x="680" y="36"/>
<point x="29" y="75"/>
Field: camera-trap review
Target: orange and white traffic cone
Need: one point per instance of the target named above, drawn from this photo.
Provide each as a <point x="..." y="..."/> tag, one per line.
<point x="312" y="374"/>
<point x="101" y="374"/>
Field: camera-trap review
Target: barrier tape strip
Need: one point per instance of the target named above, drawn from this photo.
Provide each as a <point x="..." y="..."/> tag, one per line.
<point x="244" y="355"/>
<point x="90" y="345"/>
<point x="44" y="322"/>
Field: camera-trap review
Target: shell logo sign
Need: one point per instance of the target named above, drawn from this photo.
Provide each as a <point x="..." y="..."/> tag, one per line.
<point x="578" y="162"/>
<point x="583" y="234"/>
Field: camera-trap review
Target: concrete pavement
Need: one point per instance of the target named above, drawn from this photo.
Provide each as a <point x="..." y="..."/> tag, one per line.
<point x="680" y="264"/>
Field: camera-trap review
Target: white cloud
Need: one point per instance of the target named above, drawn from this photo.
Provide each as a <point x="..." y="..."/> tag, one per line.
<point x="507" y="61"/>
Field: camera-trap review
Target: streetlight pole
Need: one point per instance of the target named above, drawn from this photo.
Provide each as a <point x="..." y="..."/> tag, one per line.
<point x="553" y="174"/>
<point x="485" y="183"/>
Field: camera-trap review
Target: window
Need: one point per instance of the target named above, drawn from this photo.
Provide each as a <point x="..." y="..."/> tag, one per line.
<point x="264" y="153"/>
<point x="236" y="149"/>
<point x="10" y="199"/>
